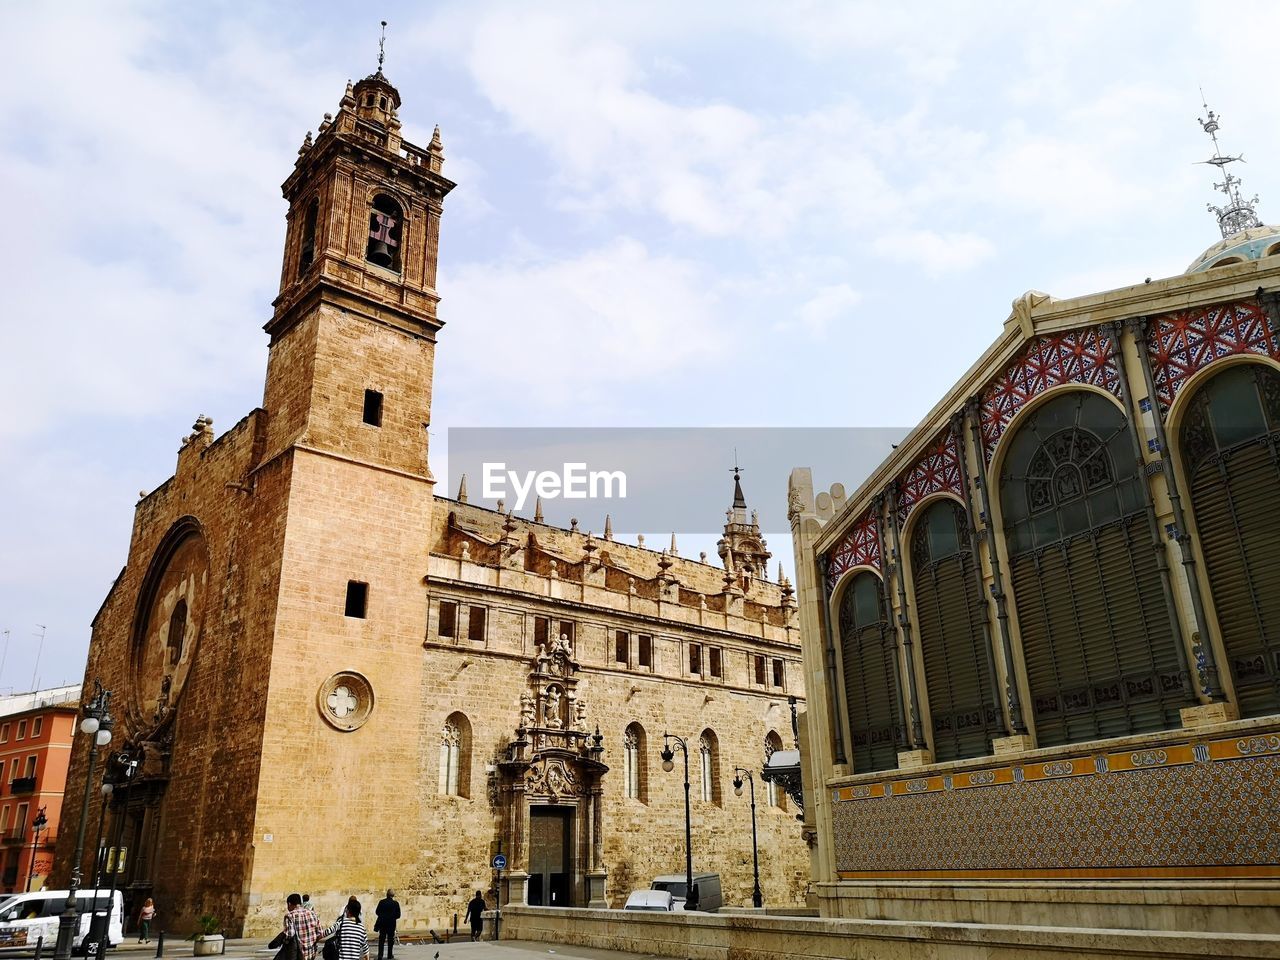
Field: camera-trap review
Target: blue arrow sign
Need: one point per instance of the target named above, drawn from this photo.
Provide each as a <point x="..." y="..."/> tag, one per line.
<point x="500" y="862"/>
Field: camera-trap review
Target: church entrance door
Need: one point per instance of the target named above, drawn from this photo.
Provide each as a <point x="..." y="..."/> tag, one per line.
<point x="550" y="860"/>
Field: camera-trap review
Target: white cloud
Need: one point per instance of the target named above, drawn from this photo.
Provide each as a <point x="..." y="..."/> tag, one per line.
<point x="576" y="332"/>
<point x="827" y="304"/>
<point x="935" y="253"/>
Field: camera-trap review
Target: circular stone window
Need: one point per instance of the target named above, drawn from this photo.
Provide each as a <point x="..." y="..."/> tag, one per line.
<point x="345" y="700"/>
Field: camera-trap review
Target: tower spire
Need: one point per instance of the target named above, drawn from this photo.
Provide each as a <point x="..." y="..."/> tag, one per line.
<point x="382" y="46"/>
<point x="1238" y="214"/>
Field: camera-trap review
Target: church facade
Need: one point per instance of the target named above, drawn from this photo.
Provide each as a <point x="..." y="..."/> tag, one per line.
<point x="328" y="679"/>
<point x="1041" y="639"/>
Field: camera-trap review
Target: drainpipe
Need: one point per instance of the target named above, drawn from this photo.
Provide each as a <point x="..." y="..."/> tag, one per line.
<point x="1207" y="667"/>
<point x="824" y="615"/>
<point x="1012" y="696"/>
<point x="1153" y="524"/>
<point x="957" y="432"/>
<point x="904" y="624"/>
<point x="899" y="730"/>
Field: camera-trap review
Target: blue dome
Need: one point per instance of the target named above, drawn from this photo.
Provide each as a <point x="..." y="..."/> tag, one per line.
<point x="1251" y="244"/>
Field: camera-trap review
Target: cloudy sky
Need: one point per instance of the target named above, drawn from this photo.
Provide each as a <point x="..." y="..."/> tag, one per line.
<point x="671" y="214"/>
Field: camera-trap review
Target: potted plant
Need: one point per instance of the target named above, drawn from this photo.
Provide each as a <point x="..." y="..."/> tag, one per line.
<point x="208" y="942"/>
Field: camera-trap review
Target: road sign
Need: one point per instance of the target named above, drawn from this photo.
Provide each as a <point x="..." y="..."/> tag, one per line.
<point x="500" y="862"/>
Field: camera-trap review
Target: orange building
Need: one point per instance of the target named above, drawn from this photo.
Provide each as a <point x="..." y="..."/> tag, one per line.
<point x="36" y="730"/>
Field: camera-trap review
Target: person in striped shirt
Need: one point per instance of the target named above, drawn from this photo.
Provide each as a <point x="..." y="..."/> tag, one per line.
<point x="352" y="938"/>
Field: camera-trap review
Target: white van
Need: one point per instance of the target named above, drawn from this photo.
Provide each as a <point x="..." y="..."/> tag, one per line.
<point x="657" y="900"/>
<point x="710" y="899"/>
<point x="26" y="917"/>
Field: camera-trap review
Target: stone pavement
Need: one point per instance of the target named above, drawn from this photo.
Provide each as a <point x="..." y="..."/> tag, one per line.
<point x="462" y="949"/>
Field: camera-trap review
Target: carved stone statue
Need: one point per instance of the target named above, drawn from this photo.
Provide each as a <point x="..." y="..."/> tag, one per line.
<point x="552" y="718"/>
<point x="526" y="711"/>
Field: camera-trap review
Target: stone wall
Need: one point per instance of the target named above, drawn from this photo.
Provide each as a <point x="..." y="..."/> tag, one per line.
<point x="763" y="937"/>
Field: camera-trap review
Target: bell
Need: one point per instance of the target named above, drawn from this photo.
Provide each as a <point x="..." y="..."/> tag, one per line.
<point x="379" y="253"/>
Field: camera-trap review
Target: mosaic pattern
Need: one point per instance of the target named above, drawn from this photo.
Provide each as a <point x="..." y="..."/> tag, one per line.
<point x="1186" y="805"/>
<point x="1181" y="343"/>
<point x="1076" y="356"/>
<point x="937" y="470"/>
<point x="860" y="546"/>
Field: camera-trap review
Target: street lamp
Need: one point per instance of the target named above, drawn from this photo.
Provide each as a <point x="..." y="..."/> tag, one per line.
<point x="127" y="766"/>
<point x="97" y="724"/>
<point x="668" y="758"/>
<point x="37" y="827"/>
<point x="757" y="898"/>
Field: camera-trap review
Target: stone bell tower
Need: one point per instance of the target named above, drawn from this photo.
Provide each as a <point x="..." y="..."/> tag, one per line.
<point x="742" y="548"/>
<point x="344" y="468"/>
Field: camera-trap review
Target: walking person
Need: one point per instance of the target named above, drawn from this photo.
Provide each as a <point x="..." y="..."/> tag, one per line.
<point x="145" y="916"/>
<point x="388" y="913"/>
<point x="349" y="934"/>
<point x="301" y="923"/>
<point x="475" y="915"/>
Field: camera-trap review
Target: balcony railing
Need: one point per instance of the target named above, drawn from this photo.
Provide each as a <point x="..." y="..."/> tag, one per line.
<point x="16" y="834"/>
<point x="23" y="785"/>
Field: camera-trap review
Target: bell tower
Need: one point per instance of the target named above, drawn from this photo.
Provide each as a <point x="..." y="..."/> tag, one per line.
<point x="343" y="492"/>
<point x="742" y="548"/>
<point x="358" y="287"/>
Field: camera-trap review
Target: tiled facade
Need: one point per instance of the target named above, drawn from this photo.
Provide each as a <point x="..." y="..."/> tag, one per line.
<point x="1184" y="804"/>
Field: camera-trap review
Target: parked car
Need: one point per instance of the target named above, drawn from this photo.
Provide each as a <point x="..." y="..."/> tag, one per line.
<point x="658" y="900"/>
<point x="710" y="898"/>
<point x="26" y="917"/>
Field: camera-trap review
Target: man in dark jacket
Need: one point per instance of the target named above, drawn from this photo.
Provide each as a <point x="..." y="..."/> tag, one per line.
<point x="475" y="915"/>
<point x="388" y="912"/>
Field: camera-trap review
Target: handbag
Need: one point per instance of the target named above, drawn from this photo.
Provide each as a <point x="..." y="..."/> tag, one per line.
<point x="289" y="949"/>
<point x="331" y="945"/>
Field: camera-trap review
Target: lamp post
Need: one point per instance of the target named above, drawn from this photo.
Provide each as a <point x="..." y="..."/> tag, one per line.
<point x="668" y="757"/>
<point x="97" y="724"/>
<point x="757" y="898"/>
<point x="128" y="767"/>
<point x="37" y="827"/>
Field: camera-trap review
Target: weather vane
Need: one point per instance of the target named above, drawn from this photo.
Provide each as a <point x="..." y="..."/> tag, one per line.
<point x="1238" y="214"/>
<point x="382" y="43"/>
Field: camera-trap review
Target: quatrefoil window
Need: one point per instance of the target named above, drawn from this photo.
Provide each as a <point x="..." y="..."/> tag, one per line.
<point x="345" y="700"/>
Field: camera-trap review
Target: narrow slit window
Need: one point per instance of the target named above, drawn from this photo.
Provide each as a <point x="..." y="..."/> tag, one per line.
<point x="759" y="661"/>
<point x="777" y="673"/>
<point x="448" y="619"/>
<point x="717" y="668"/>
<point x="695" y="658"/>
<point x="373" y="408"/>
<point x="622" y="647"/>
<point x="357" y="599"/>
<point x="541" y="627"/>
<point x="475" y="624"/>
<point x="644" y="651"/>
<point x="307" y="255"/>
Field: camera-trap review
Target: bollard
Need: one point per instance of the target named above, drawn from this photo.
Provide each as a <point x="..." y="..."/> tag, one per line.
<point x="160" y="944"/>
<point x="455" y="924"/>
<point x="39" y="947"/>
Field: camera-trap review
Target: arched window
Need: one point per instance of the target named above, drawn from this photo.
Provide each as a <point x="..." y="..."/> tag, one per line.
<point x="1231" y="450"/>
<point x="634" y="768"/>
<point x="307" y="255"/>
<point x="455" y="756"/>
<point x="709" y="766"/>
<point x="954" y="641"/>
<point x="871" y="687"/>
<point x="1100" y="652"/>
<point x="177" y="631"/>
<point x="773" y="796"/>
<point x="385" y="223"/>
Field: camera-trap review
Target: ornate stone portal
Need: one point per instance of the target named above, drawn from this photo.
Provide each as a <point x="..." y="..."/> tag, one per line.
<point x="550" y="791"/>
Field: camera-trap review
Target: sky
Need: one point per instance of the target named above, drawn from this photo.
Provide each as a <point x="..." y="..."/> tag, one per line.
<point x="722" y="214"/>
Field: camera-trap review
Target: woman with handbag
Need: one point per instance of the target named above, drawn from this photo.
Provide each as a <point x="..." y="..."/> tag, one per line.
<point x="347" y="939"/>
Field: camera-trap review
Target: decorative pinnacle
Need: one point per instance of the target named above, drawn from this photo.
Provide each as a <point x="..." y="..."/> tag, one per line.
<point x="382" y="44"/>
<point x="1238" y="214"/>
